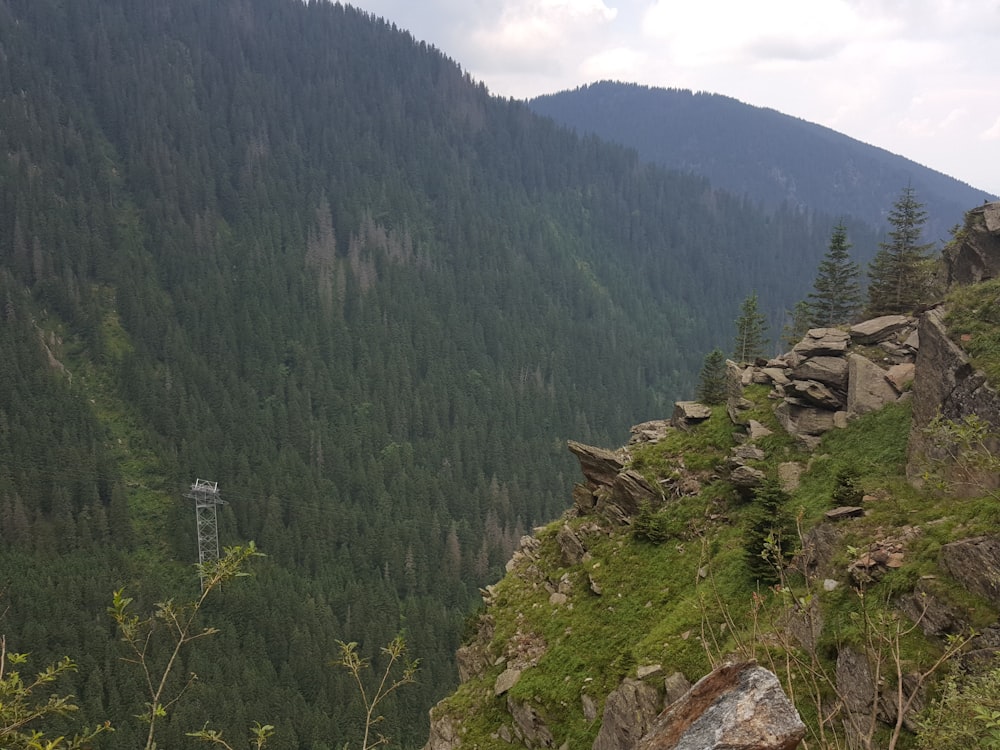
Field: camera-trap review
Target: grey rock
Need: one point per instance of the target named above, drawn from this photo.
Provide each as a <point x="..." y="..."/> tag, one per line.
<point x="816" y="394"/>
<point x="901" y="376"/>
<point x="789" y="473"/>
<point x="801" y="420"/>
<point x="757" y="430"/>
<point x="571" y="547"/>
<point x="977" y="256"/>
<point x="946" y="384"/>
<point x="529" y="725"/>
<point x="777" y="375"/>
<point x="878" y="329"/>
<point x="445" y="733"/>
<point x="831" y="371"/>
<point x="674" y="687"/>
<point x="689" y="412"/>
<point x="506" y="680"/>
<point x="629" y="711"/>
<point x="867" y="390"/>
<point x="844" y="511"/>
<point x="735" y="707"/>
<point x="649" y="432"/>
<point x="743" y="453"/>
<point x="975" y="564"/>
<point x="589" y="706"/>
<point x="822" y="342"/>
<point x="747" y="477"/>
<point x="598" y="465"/>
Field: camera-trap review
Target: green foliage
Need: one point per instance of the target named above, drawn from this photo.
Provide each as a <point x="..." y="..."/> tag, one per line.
<point x="387" y="683"/>
<point x="179" y="622"/>
<point x="751" y="330"/>
<point x="769" y="538"/>
<point x="973" y="318"/>
<point x="965" y="714"/>
<point x="22" y="709"/>
<point x="712" y="380"/>
<point x="836" y="298"/>
<point x="900" y="275"/>
<point x="847" y="489"/>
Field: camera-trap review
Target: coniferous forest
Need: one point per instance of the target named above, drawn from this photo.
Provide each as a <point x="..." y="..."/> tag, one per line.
<point x="286" y="247"/>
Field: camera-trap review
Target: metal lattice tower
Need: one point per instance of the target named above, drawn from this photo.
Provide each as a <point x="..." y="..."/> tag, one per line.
<point x="206" y="500"/>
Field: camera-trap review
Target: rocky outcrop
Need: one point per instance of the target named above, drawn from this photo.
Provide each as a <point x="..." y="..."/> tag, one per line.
<point x="629" y="712"/>
<point x="975" y="564"/>
<point x="975" y="255"/>
<point x="823" y="381"/>
<point x="946" y="384"/>
<point x="736" y="707"/>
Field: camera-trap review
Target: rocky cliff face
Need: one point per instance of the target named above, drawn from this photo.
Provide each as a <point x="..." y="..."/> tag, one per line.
<point x="829" y="379"/>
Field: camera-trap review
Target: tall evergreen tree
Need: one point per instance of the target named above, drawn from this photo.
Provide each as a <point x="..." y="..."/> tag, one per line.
<point x="899" y="277"/>
<point x="837" y="295"/>
<point x="751" y="328"/>
<point x="712" y="381"/>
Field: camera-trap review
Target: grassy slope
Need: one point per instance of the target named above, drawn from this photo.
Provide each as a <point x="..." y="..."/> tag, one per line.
<point x="685" y="603"/>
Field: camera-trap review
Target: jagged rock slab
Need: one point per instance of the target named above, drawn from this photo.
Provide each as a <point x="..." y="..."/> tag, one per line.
<point x="844" y="511"/>
<point x="802" y="420"/>
<point x="822" y="342"/>
<point x="878" y="329"/>
<point x="629" y="712"/>
<point x="649" y="432"/>
<point x="816" y="394"/>
<point x="975" y="564"/>
<point x="689" y="412"/>
<point x="831" y="371"/>
<point x="598" y="465"/>
<point x="736" y="707"/>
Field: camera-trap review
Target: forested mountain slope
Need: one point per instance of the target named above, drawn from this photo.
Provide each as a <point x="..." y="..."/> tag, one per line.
<point x="290" y="249"/>
<point x="769" y="156"/>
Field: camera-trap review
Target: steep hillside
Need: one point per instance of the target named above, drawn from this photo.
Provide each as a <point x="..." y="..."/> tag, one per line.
<point x="779" y="526"/>
<point x="771" y="157"/>
<point x="288" y="248"/>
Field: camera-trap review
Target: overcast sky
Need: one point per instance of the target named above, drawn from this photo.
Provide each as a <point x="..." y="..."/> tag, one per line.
<point x="917" y="77"/>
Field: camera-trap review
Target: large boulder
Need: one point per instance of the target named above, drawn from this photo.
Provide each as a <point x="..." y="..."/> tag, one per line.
<point x="878" y="329"/>
<point x="629" y="712"/>
<point x="946" y="384"/>
<point x="831" y="371"/>
<point x="975" y="256"/>
<point x="801" y="420"/>
<point x="736" y="707"/>
<point x="821" y="342"/>
<point x="868" y="389"/>
<point x="598" y="465"/>
<point x="975" y="564"/>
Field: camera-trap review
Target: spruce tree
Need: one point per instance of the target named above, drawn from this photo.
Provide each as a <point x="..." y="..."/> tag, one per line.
<point x="750" y="329"/>
<point x="837" y="295"/>
<point x="770" y="533"/>
<point x="712" y="381"/>
<point x="899" y="277"/>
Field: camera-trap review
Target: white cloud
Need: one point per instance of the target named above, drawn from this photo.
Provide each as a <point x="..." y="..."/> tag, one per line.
<point x="992" y="133"/>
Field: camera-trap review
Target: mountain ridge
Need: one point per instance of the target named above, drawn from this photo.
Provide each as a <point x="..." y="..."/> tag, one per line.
<point x="757" y="151"/>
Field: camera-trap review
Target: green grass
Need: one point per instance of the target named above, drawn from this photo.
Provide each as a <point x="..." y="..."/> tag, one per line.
<point x="684" y="600"/>
<point x="973" y="320"/>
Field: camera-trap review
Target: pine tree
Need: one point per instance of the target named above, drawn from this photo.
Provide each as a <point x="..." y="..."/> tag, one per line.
<point x="837" y="295"/>
<point x="769" y="534"/>
<point x="712" y="381"/>
<point x="750" y="329"/>
<point x="899" y="277"/>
